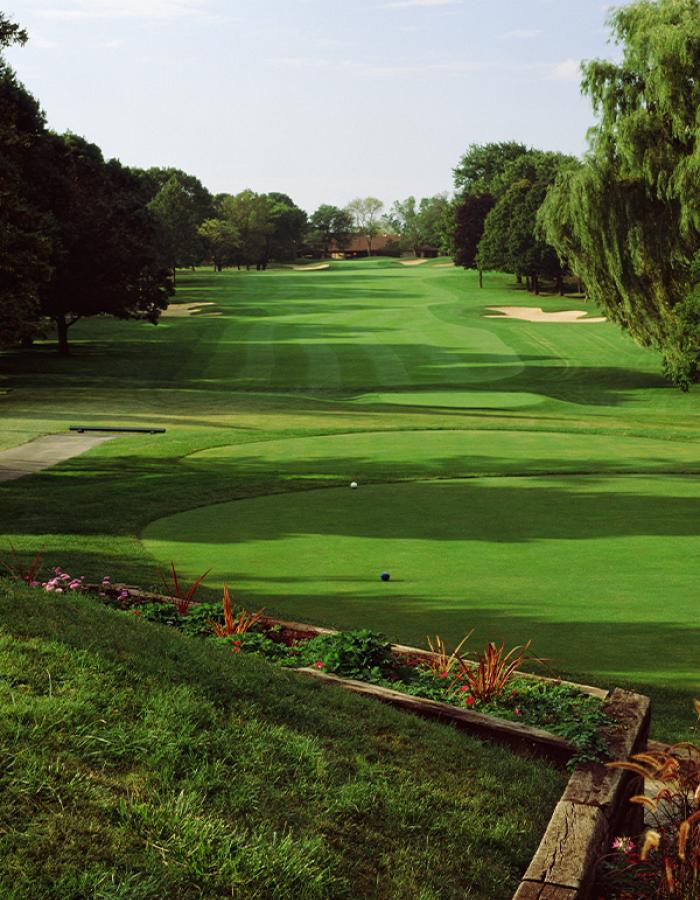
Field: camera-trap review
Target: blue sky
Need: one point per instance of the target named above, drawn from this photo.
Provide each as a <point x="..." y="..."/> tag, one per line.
<point x="325" y="100"/>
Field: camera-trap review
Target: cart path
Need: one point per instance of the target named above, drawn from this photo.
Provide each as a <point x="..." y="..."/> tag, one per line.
<point x="46" y="451"/>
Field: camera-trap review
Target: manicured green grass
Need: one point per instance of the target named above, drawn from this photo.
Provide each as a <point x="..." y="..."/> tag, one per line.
<point x="564" y="510"/>
<point x="502" y="555"/>
<point x="139" y="763"/>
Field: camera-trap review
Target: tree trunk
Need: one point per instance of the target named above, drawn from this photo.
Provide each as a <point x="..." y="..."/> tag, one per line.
<point x="528" y="284"/>
<point x="369" y="245"/>
<point x="481" y="278"/>
<point x="518" y="278"/>
<point x="579" y="285"/>
<point x="174" y="275"/>
<point x="62" y="332"/>
<point x="560" y="284"/>
<point x="536" y="284"/>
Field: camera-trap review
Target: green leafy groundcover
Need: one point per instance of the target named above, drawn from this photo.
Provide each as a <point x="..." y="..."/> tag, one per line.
<point x="366" y="655"/>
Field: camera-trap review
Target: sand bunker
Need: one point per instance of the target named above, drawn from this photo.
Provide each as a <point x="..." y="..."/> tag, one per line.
<point x="313" y="268"/>
<point x="412" y="262"/>
<point x="178" y="310"/>
<point x="444" y="265"/>
<point x="537" y="314"/>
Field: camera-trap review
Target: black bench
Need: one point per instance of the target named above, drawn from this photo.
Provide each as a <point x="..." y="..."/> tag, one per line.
<point x="81" y="428"/>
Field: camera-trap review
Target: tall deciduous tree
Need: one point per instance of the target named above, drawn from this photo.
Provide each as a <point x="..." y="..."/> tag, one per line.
<point x="367" y="216"/>
<point x="24" y="243"/>
<point x="629" y="219"/>
<point x="481" y="173"/>
<point x="481" y="169"/>
<point x="105" y="259"/>
<point x="511" y="241"/>
<point x="251" y="214"/>
<point x="289" y="224"/>
<point x="329" y="226"/>
<point x="470" y="216"/>
<point x="404" y="218"/>
<point x="222" y="242"/>
<point x="179" y="219"/>
<point x="419" y="224"/>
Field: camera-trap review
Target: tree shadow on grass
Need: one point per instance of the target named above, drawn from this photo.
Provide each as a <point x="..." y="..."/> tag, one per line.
<point x="494" y="510"/>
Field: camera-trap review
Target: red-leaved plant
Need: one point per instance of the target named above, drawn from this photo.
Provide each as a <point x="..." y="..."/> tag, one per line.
<point x="442" y="662"/>
<point x="181" y="600"/>
<point x="240" y="623"/>
<point x="19" y="571"/>
<point x="493" y="670"/>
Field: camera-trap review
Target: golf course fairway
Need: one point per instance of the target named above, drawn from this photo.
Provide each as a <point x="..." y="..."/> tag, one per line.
<point x="533" y="480"/>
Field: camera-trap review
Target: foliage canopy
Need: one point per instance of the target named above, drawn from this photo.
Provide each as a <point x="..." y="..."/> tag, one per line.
<point x="629" y="219"/>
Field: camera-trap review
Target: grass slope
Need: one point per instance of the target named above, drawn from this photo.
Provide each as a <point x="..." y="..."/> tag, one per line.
<point x="140" y="764"/>
<point x="574" y="524"/>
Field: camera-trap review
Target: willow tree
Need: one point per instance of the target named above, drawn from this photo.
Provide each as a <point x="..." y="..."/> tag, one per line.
<point x="628" y="220"/>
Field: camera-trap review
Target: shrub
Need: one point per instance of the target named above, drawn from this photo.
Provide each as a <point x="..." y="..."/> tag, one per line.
<point x="161" y="613"/>
<point x="200" y="618"/>
<point x="256" y="642"/>
<point x="355" y="654"/>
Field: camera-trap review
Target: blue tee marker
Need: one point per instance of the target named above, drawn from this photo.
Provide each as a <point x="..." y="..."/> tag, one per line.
<point x="385" y="576"/>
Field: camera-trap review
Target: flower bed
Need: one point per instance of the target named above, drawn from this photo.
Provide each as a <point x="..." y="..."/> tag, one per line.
<point x="540" y="709"/>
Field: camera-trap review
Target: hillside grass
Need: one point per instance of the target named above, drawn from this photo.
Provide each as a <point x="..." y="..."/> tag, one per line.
<point x="138" y="763"/>
<point x="548" y="476"/>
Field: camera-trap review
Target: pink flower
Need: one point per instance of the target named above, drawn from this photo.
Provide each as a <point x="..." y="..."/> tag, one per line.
<point x="75" y="584"/>
<point x="623" y="844"/>
<point x="34" y="584"/>
<point x="58" y="591"/>
<point x="470" y="701"/>
<point x="517" y="711"/>
<point x="57" y="570"/>
<point x="443" y="674"/>
<point x="105" y="580"/>
<point x="319" y="664"/>
<point x="65" y="576"/>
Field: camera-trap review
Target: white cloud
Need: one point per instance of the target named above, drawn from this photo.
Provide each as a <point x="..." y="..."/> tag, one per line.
<point x="127" y="9"/>
<point x="42" y="43"/>
<point x="523" y="34"/>
<point x="302" y="62"/>
<point x="567" y="70"/>
<point x="404" y="4"/>
<point x="395" y="69"/>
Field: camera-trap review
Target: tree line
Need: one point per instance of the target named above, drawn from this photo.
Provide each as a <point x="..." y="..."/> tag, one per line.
<point x="81" y="235"/>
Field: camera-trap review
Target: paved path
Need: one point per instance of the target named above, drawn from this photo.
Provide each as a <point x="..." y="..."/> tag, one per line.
<point x="43" y="452"/>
